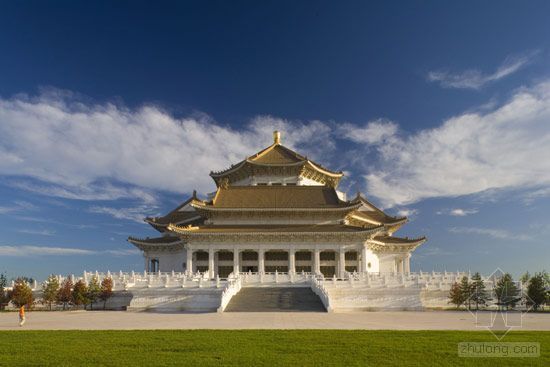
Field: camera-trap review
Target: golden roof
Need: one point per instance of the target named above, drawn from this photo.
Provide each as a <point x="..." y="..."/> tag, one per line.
<point x="270" y="228"/>
<point x="376" y="217"/>
<point x="177" y="216"/>
<point x="277" y="197"/>
<point x="398" y="240"/>
<point x="277" y="155"/>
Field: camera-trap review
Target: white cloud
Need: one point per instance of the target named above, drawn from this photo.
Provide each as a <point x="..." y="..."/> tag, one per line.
<point x="124" y="252"/>
<point x="491" y="232"/>
<point x="88" y="192"/>
<point x="407" y="212"/>
<point x="475" y="79"/>
<point x="457" y="212"/>
<point x="531" y="196"/>
<point x="41" y="232"/>
<point x="17" y="206"/>
<point x="505" y="148"/>
<point x="29" y="251"/>
<point x="375" y="132"/>
<point x="76" y="149"/>
<point x="136" y="214"/>
<point x="41" y="250"/>
<point x="462" y="212"/>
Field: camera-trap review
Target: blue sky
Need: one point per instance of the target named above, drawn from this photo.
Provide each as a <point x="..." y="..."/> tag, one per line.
<point x="111" y="112"/>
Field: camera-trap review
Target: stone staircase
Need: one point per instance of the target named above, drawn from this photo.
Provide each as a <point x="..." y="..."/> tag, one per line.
<point x="275" y="299"/>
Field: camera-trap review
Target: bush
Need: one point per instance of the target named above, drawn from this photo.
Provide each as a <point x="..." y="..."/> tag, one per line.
<point x="94" y="291"/>
<point x="21" y="294"/>
<point x="507" y="292"/>
<point x="80" y="293"/>
<point x="536" y="291"/>
<point x="4" y="297"/>
<point x="106" y="290"/>
<point x="50" y="290"/>
<point x="65" y="293"/>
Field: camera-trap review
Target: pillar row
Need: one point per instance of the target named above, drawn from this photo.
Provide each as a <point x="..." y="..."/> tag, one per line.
<point x="236" y="262"/>
<point x="189" y="265"/>
<point x="261" y="260"/>
<point x="292" y="260"/>
<point x="211" y="262"/>
<point x="341" y="262"/>
<point x="317" y="261"/>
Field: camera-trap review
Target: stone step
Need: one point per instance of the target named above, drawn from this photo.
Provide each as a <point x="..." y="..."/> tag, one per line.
<point x="275" y="299"/>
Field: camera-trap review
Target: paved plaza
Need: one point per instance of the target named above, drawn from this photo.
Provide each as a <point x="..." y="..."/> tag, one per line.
<point x="405" y="320"/>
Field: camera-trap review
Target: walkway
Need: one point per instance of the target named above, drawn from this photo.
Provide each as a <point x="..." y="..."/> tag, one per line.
<point x="411" y="320"/>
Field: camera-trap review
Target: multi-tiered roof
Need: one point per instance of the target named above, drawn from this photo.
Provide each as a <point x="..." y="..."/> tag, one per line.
<point x="247" y="207"/>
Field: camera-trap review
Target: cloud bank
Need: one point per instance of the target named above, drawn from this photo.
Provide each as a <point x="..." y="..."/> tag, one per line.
<point x="505" y="148"/>
<point x="78" y="149"/>
<point x="56" y="145"/>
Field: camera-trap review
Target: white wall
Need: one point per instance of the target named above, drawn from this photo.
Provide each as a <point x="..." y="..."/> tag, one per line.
<point x="301" y="181"/>
<point x="387" y="263"/>
<point x="374" y="262"/>
<point x="169" y="261"/>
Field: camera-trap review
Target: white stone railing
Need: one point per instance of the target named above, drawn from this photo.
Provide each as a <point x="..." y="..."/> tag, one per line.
<point x="275" y="278"/>
<point x="234" y="285"/>
<point x="130" y="280"/>
<point x="317" y="286"/>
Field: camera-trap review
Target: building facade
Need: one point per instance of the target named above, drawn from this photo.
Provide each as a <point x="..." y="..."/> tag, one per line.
<point x="277" y="211"/>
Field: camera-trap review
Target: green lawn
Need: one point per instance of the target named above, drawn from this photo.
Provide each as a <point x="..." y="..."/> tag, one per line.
<point x="254" y="348"/>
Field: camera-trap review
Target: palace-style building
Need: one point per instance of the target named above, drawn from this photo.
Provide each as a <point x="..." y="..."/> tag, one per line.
<point x="277" y="211"/>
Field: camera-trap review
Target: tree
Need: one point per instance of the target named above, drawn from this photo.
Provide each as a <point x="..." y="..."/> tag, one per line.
<point x="507" y="292"/>
<point x="65" y="293"/>
<point x="21" y="293"/>
<point x="466" y="291"/>
<point x="50" y="290"/>
<point x="546" y="277"/>
<point x="479" y="294"/>
<point x="455" y="295"/>
<point x="536" y="291"/>
<point x="80" y="293"/>
<point x="94" y="291"/>
<point x="524" y="278"/>
<point x="4" y="296"/>
<point x="106" y="290"/>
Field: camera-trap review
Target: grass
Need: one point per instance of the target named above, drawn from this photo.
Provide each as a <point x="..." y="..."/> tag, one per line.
<point x="255" y="348"/>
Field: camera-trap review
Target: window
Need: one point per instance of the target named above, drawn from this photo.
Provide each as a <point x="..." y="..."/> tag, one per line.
<point x="276" y="184"/>
<point x="327" y="256"/>
<point x="262" y="184"/>
<point x="154" y="265"/>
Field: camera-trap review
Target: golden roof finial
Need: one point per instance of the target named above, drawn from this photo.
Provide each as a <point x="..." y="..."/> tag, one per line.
<point x="276" y="137"/>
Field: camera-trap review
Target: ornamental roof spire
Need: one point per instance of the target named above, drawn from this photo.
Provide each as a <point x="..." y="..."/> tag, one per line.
<point x="276" y="137"/>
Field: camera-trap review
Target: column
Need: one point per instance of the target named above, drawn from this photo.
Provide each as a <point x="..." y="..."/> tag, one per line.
<point x="211" y="262"/>
<point x="292" y="260"/>
<point x="364" y="267"/>
<point x="261" y="261"/>
<point x="341" y="262"/>
<point x="146" y="263"/>
<point x="400" y="265"/>
<point x="236" y="263"/>
<point x="408" y="264"/>
<point x="317" y="261"/>
<point x="189" y="265"/>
